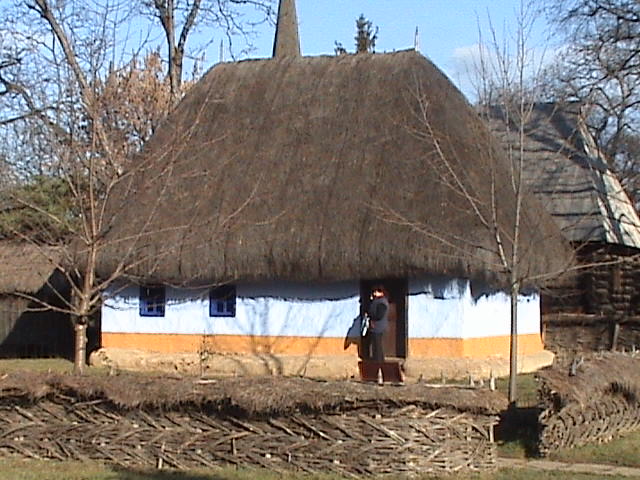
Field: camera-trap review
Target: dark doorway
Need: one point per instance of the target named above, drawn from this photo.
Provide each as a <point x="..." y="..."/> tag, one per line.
<point x="395" y="340"/>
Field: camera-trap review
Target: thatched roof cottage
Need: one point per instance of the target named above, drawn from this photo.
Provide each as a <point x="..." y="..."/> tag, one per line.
<point x="280" y="190"/>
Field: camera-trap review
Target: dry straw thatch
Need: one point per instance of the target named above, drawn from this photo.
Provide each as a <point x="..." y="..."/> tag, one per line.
<point x="594" y="401"/>
<point x="25" y="268"/>
<point x="252" y="396"/>
<point x="319" y="168"/>
<point x="595" y="377"/>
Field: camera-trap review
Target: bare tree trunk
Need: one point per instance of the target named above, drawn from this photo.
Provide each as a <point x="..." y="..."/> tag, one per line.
<point x="80" y="356"/>
<point x="86" y="294"/>
<point x="166" y="12"/>
<point x="513" y="347"/>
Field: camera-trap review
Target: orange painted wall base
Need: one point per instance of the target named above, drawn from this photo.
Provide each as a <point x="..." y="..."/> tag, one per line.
<point x="418" y="347"/>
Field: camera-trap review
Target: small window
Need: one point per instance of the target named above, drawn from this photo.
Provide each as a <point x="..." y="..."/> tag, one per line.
<point x="152" y="301"/>
<point x="222" y="301"/>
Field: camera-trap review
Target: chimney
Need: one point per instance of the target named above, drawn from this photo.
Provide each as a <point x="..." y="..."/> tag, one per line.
<point x="287" y="41"/>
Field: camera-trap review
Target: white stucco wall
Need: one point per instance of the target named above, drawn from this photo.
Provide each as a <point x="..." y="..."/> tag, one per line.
<point x="438" y="307"/>
<point x="275" y="309"/>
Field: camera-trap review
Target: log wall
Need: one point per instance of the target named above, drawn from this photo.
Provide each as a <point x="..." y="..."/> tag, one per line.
<point x="596" y="308"/>
<point x="609" y="286"/>
<point x="573" y="335"/>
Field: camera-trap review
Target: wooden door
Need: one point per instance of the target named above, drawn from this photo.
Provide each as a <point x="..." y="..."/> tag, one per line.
<point x="395" y="338"/>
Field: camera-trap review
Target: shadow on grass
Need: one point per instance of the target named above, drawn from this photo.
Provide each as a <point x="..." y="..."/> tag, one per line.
<point x="517" y="432"/>
<point x="215" y="473"/>
<point x="136" y="474"/>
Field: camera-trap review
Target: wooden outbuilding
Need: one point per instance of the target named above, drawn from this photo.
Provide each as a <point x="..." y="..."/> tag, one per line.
<point x="576" y="183"/>
<point x="29" y="280"/>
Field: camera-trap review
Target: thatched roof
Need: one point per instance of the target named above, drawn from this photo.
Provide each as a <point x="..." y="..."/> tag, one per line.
<point x="25" y="268"/>
<point x="322" y="168"/>
<point x="570" y="175"/>
<point x="253" y="396"/>
<point x="596" y="376"/>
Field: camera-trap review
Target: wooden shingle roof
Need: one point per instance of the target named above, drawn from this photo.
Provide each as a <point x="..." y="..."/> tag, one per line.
<point x="570" y="176"/>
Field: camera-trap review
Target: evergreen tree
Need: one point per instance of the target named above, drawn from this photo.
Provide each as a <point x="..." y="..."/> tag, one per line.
<point x="366" y="36"/>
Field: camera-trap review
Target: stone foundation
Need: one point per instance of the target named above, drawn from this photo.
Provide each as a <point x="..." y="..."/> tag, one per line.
<point x="327" y="367"/>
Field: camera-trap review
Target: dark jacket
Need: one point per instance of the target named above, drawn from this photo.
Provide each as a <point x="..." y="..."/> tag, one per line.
<point x="379" y="314"/>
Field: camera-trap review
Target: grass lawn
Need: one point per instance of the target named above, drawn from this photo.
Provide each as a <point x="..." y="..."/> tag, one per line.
<point x="58" y="365"/>
<point x="14" y="469"/>
<point x="516" y="438"/>
<point x="517" y="432"/>
<point x="527" y="474"/>
<point x="526" y="389"/>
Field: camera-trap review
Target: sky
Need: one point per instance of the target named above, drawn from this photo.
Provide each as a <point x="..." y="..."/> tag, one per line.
<point x="448" y="29"/>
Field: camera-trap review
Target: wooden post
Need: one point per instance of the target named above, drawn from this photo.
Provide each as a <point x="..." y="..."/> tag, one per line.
<point x="615" y="334"/>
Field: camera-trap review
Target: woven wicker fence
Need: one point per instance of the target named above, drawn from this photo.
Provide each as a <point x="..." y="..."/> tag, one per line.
<point x="372" y="436"/>
<point x="593" y="401"/>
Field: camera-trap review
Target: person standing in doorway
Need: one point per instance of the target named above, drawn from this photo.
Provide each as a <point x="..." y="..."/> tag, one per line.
<point x="378" y="313"/>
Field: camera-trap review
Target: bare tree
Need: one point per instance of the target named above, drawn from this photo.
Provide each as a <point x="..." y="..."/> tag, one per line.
<point x="514" y="84"/>
<point x="88" y="148"/>
<point x="510" y="81"/>
<point x="180" y="18"/>
<point x="88" y="120"/>
<point x="79" y="110"/>
<point x="600" y="67"/>
<point x="503" y="79"/>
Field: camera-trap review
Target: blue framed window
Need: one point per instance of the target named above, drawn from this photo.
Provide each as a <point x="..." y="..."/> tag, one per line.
<point x="222" y="301"/>
<point x="152" y="301"/>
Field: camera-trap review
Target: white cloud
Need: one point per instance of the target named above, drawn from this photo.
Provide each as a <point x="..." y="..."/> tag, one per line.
<point x="470" y="64"/>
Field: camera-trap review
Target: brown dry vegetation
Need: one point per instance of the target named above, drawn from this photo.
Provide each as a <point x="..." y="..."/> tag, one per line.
<point x="39" y="380"/>
<point x="252" y="183"/>
<point x="253" y="396"/>
<point x="598" y="376"/>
